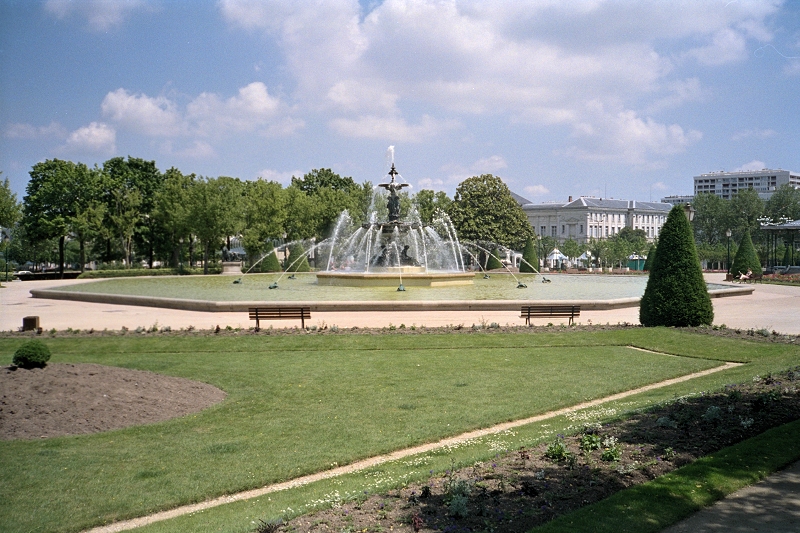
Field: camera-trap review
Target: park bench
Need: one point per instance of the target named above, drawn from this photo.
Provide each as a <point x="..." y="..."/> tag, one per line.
<point x="279" y="313"/>
<point x="546" y="310"/>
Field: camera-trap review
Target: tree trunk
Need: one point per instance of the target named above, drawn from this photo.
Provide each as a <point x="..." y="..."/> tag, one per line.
<point x="205" y="257"/>
<point x="61" y="241"/>
<point x="83" y="254"/>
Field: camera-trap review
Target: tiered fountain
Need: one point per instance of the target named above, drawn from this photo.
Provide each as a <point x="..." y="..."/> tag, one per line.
<point x="392" y="252"/>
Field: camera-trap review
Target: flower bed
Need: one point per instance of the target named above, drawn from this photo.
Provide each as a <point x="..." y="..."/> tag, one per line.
<point x="524" y="488"/>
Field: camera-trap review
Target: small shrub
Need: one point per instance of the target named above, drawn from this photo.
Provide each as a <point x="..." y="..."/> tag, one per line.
<point x="590" y="442"/>
<point x="32" y="354"/>
<point x="712" y="414"/>
<point x="273" y="526"/>
<point x="557" y="451"/>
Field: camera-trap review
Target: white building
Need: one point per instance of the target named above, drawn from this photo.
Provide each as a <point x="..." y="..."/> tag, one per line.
<point x="727" y="184"/>
<point x="589" y="217"/>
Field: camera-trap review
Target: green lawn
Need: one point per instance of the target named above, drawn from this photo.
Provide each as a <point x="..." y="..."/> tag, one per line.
<point x="297" y="404"/>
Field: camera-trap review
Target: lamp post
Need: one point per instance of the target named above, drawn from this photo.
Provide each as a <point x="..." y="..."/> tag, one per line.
<point x="7" y="242"/>
<point x="688" y="211"/>
<point x="728" y="263"/>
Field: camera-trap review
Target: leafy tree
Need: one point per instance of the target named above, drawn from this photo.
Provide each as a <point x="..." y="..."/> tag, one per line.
<point x="324" y="178"/>
<point x="571" y="249"/>
<point x="171" y="212"/>
<point x="530" y="261"/>
<point x="711" y="218"/>
<point x="10" y="209"/>
<point x="144" y="178"/>
<point x="89" y="213"/>
<point x="125" y="217"/>
<point x="214" y="212"/>
<point x="483" y="210"/>
<point x="601" y="250"/>
<point x="784" y="202"/>
<point x="264" y="213"/>
<point x="428" y="202"/>
<point x="53" y="197"/>
<point x="676" y="293"/>
<point x="746" y="257"/>
<point x="301" y="216"/>
<point x="745" y="208"/>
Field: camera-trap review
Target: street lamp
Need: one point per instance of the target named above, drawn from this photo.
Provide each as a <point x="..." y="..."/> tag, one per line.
<point x="728" y="263"/>
<point x="688" y="211"/>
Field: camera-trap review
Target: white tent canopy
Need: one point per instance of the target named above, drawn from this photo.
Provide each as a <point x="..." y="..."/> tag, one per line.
<point x="556" y="255"/>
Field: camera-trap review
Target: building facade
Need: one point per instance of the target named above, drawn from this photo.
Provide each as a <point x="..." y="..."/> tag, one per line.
<point x="727" y="184"/>
<point x="599" y="218"/>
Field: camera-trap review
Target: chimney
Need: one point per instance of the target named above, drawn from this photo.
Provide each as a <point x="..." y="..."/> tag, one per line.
<point x="570" y="199"/>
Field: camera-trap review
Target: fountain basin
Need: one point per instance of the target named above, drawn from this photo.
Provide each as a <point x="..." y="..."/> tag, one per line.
<point x="392" y="276"/>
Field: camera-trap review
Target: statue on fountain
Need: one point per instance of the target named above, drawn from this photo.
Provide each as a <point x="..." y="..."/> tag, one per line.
<point x="394" y="200"/>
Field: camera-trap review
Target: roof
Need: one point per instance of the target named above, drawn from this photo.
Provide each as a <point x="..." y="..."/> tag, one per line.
<point x="519" y="199"/>
<point x="604" y="203"/>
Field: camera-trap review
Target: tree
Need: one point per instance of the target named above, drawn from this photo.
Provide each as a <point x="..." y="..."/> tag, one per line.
<point x="745" y="208"/>
<point x="270" y="263"/>
<point x="530" y="260"/>
<point x="428" y="203"/>
<point x="324" y="178"/>
<point x="711" y="218"/>
<point x="784" y="202"/>
<point x="264" y="211"/>
<point x="10" y="209"/>
<point x="651" y="257"/>
<point x="144" y="178"/>
<point x="484" y="211"/>
<point x="676" y="294"/>
<point x="746" y="257"/>
<point x="492" y="261"/>
<point x="214" y="212"/>
<point x="53" y="198"/>
<point x="298" y="259"/>
<point x="571" y="249"/>
<point x="171" y="212"/>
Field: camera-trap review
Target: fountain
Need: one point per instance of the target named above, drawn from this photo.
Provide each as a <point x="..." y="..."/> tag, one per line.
<point x="392" y="251"/>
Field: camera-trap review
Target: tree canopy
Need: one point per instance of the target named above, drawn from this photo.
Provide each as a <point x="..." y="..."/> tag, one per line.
<point x="483" y="210"/>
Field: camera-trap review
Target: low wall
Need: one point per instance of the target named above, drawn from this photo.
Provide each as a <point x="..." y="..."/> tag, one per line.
<point x="333" y="306"/>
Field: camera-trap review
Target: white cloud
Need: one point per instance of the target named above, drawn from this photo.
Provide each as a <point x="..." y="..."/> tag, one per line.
<point x="252" y="108"/>
<point x="434" y="184"/>
<point x="489" y="165"/>
<point x="752" y="165"/>
<point x="536" y="190"/>
<point x="151" y="116"/>
<point x="101" y="15"/>
<point x="391" y="129"/>
<point x="96" y="138"/>
<point x="538" y="62"/>
<point x="748" y="134"/>
<point x="198" y="150"/>
<point x="660" y="186"/>
<point x="281" y="177"/>
<point x="28" y="131"/>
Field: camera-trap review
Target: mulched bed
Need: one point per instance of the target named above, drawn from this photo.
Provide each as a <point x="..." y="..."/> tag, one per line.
<point x="528" y="487"/>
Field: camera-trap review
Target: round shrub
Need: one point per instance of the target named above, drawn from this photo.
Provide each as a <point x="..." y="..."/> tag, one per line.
<point x="298" y="260"/>
<point x="676" y="294"/>
<point x="32" y="354"/>
<point x="493" y="262"/>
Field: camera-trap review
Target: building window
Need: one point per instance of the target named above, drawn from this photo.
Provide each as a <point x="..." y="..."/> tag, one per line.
<point x="553" y="231"/>
<point x="562" y="229"/>
<point x="543" y="231"/>
<point x="581" y="229"/>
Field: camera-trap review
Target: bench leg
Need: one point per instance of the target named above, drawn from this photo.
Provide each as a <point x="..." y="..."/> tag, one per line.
<point x="302" y="321"/>
<point x="258" y="326"/>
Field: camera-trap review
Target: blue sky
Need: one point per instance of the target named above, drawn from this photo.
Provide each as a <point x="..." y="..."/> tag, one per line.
<point x="607" y="98"/>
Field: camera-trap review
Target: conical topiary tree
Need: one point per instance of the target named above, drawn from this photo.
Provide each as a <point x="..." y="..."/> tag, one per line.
<point x="493" y="263"/>
<point x="530" y="262"/>
<point x="676" y="293"/>
<point x="746" y="257"/>
<point x="651" y="256"/>
<point x="270" y="263"/>
<point x="295" y="251"/>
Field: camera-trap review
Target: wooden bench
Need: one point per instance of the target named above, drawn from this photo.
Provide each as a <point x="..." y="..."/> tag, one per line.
<point x="558" y="311"/>
<point x="279" y="313"/>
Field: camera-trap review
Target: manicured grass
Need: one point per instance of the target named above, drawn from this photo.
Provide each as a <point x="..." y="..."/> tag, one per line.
<point x="651" y="507"/>
<point x="297" y="404"/>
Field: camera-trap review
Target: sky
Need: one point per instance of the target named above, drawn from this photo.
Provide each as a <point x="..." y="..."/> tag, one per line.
<point x="615" y="99"/>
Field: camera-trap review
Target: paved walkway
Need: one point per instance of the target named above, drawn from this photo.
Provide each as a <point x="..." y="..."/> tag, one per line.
<point x="770" y="307"/>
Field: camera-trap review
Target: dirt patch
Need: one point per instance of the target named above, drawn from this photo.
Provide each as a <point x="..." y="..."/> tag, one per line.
<point x="75" y="399"/>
